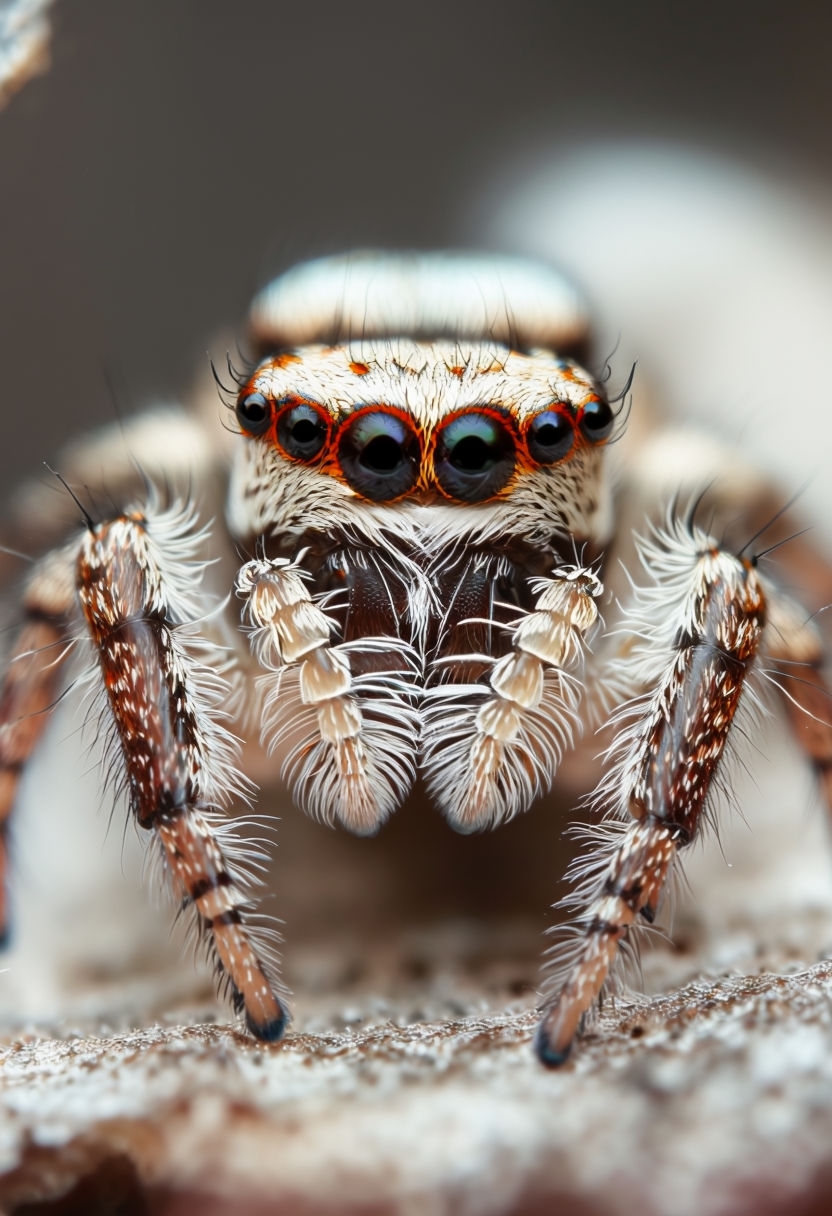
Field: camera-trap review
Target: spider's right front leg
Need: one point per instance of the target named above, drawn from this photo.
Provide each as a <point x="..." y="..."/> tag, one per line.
<point x="178" y="759"/>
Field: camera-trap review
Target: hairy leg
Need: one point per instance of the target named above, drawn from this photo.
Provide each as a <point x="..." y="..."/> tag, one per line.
<point x="694" y="637"/>
<point x="795" y="646"/>
<point x="31" y="684"/>
<point x="138" y="585"/>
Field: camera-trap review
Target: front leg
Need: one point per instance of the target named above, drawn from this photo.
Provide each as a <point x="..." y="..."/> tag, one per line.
<point x="695" y="638"/>
<point x="137" y="579"/>
<point x="30" y="686"/>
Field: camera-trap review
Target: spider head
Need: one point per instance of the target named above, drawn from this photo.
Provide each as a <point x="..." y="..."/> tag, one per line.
<point x="444" y="416"/>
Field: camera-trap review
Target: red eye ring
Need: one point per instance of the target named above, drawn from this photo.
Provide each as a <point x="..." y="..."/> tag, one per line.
<point x="302" y="429"/>
<point x="474" y="454"/>
<point x="550" y="435"/>
<point x="379" y="452"/>
<point x="596" y="419"/>
<point x="254" y="412"/>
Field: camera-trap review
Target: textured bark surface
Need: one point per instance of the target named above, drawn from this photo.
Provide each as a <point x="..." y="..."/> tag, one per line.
<point x="716" y="1098"/>
<point x="409" y="1084"/>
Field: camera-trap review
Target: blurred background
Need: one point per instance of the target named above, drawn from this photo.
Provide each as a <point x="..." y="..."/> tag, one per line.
<point x="677" y="162"/>
<point x="175" y="155"/>
<point x="676" y="159"/>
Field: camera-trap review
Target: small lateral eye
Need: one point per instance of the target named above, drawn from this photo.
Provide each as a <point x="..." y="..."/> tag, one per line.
<point x="380" y="454"/>
<point x="475" y="455"/>
<point x="254" y="413"/>
<point x="596" y="420"/>
<point x="302" y="430"/>
<point x="550" y="436"/>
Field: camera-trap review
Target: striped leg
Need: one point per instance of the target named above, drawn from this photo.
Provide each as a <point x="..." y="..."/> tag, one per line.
<point x="695" y="637"/>
<point x="30" y="685"/>
<point x="137" y="580"/>
<point x="796" y="646"/>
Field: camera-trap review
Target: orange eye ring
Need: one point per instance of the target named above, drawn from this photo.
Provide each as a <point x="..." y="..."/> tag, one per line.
<point x="302" y="429"/>
<point x="379" y="452"/>
<point x="596" y="419"/>
<point x="254" y="412"/>
<point x="550" y="435"/>
<point x="474" y="454"/>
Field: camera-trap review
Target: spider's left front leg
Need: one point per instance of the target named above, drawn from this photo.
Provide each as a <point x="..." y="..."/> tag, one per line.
<point x="136" y="578"/>
<point x="696" y="635"/>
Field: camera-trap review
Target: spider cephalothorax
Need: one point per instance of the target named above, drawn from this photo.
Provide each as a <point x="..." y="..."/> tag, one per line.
<point x="419" y="482"/>
<point x="434" y="484"/>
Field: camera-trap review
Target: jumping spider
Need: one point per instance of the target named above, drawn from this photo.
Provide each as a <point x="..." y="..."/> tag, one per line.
<point x="419" y="485"/>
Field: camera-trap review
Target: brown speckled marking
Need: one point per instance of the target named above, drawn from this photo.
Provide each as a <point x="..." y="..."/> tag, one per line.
<point x="685" y="736"/>
<point x="165" y="751"/>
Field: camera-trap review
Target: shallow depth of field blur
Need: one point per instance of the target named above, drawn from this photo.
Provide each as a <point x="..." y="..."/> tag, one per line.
<point x="175" y="155"/>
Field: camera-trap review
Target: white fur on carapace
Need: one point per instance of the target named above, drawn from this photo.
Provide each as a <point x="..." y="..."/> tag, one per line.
<point x="272" y="496"/>
<point x="456" y="295"/>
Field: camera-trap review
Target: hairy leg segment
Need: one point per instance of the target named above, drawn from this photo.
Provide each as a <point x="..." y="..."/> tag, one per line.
<point x="695" y="658"/>
<point x="177" y="755"/>
<point x="127" y="594"/>
<point x="31" y="686"/>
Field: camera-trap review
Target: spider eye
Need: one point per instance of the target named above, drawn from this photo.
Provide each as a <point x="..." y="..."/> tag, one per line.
<point x="302" y="430"/>
<point x="474" y="456"/>
<point x="550" y="436"/>
<point x="596" y="420"/>
<point x="254" y="413"/>
<point x="379" y="453"/>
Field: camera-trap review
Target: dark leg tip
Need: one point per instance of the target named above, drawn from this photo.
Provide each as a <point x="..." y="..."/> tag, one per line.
<point x="546" y="1053"/>
<point x="268" y="1032"/>
<point x="5" y="937"/>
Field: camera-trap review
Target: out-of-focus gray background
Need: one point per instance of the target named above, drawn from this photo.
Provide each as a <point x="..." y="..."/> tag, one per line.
<point x="679" y="163"/>
<point x="176" y="153"/>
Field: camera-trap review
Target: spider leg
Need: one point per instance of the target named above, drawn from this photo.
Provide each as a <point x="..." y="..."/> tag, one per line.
<point x="696" y="658"/>
<point x="30" y="684"/>
<point x="348" y="741"/>
<point x="136" y="579"/>
<point x="490" y="747"/>
<point x="795" y="644"/>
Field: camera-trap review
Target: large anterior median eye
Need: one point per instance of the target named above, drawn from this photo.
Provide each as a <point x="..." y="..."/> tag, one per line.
<point x="474" y="455"/>
<point x="379" y="454"/>
<point x="302" y="429"/>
